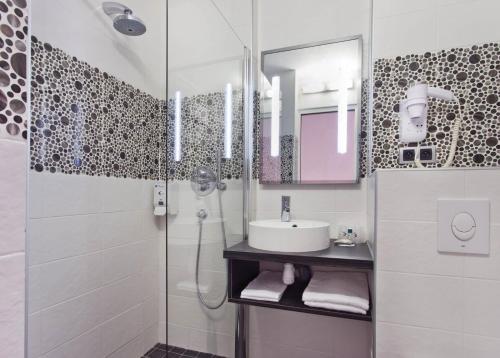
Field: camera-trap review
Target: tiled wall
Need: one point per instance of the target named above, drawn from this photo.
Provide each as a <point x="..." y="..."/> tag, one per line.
<point x="458" y="49"/>
<point x="471" y="74"/>
<point x="431" y="304"/>
<point x="12" y="246"/>
<point x="93" y="266"/>
<point x="13" y="112"/>
<point x="275" y="333"/>
<point x="86" y="121"/>
<point x="189" y="324"/>
<point x="202" y="135"/>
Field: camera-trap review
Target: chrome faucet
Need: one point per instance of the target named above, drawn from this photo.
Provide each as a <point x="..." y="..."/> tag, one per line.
<point x="285" y="208"/>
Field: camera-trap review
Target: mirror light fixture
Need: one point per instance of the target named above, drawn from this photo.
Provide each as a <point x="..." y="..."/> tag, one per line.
<point x="177" y="127"/>
<point x="275" y="117"/>
<point x="228" y="120"/>
<point x="342" y="120"/>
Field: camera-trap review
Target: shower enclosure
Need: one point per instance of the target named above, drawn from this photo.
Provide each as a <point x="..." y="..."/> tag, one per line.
<point x="208" y="99"/>
<point x="106" y="278"/>
<point x="97" y="137"/>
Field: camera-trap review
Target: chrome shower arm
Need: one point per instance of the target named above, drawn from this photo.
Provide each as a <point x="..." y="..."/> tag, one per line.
<point x="112" y="8"/>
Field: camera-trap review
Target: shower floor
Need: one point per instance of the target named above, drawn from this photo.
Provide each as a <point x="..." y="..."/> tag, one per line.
<point x="164" y="351"/>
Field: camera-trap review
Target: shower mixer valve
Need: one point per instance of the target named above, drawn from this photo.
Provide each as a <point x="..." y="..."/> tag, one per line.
<point x="202" y="214"/>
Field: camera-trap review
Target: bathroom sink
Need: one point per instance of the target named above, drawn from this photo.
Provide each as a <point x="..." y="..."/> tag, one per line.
<point x="292" y="236"/>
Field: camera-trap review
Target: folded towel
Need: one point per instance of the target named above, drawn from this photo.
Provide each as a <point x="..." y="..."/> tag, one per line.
<point x="340" y="288"/>
<point x="268" y="286"/>
<point x="336" y="307"/>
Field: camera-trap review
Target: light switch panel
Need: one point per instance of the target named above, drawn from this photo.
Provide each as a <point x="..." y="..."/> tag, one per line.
<point x="464" y="226"/>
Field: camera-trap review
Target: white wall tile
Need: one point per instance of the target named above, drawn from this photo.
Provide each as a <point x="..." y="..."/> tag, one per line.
<point x="406" y="246"/>
<point x="119" y="194"/>
<point x="420" y="300"/>
<point x="467" y="23"/>
<point x="120" y="296"/>
<point x="465" y="303"/>
<point x="188" y="312"/>
<point x="481" y="347"/>
<point x="121" y="329"/>
<point x="132" y="349"/>
<point x="150" y="337"/>
<point x="12" y="305"/>
<point x="412" y="194"/>
<point x="151" y="311"/>
<point x="401" y="341"/>
<point x="485" y="266"/>
<point x="121" y="261"/>
<point x="483" y="184"/>
<point x="210" y="342"/>
<point x="68" y="278"/>
<point x="62" y="237"/>
<point x="36" y="191"/>
<point x="12" y="196"/>
<point x="119" y="228"/>
<point x="97" y="249"/>
<point x="34" y="335"/>
<point x="71" y="195"/>
<point x="68" y="320"/>
<point x="86" y="345"/>
<point x="177" y="335"/>
<point x="481" y="310"/>
<point x="34" y="289"/>
<point x="404" y="34"/>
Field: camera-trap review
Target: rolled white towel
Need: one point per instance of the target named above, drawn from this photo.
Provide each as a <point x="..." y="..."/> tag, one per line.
<point x="336" y="307"/>
<point x="268" y="286"/>
<point x="339" y="288"/>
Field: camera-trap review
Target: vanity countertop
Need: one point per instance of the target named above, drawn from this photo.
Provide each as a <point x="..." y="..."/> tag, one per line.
<point x="359" y="256"/>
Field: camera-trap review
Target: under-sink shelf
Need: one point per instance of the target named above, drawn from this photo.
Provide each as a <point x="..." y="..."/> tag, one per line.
<point x="243" y="264"/>
<point x="359" y="256"/>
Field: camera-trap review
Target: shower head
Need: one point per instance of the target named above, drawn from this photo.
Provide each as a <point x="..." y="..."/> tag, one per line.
<point x="123" y="19"/>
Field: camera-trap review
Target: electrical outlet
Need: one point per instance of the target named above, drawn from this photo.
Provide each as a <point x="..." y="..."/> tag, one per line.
<point x="427" y="154"/>
<point x="407" y="155"/>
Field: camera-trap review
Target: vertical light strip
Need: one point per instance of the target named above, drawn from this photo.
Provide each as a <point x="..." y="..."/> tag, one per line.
<point x="228" y="121"/>
<point x="275" y="117"/>
<point x="342" y="120"/>
<point x="177" y="125"/>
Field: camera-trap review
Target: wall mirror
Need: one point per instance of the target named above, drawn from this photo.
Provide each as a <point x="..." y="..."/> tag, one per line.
<point x="310" y="113"/>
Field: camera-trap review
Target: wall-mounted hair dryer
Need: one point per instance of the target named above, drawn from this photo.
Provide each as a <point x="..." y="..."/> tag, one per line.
<point x="413" y="111"/>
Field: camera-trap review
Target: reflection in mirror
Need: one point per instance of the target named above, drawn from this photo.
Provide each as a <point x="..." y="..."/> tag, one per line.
<point x="310" y="113"/>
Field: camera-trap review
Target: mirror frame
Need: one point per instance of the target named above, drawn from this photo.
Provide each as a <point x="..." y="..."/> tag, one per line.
<point x="357" y="124"/>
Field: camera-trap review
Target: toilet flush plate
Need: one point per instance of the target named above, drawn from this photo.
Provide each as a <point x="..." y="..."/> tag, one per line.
<point x="464" y="226"/>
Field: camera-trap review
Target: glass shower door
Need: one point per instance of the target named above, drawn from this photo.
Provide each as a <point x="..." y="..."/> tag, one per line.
<point x="206" y="42"/>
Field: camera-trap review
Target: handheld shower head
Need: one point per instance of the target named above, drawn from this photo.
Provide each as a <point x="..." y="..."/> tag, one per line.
<point x="123" y="19"/>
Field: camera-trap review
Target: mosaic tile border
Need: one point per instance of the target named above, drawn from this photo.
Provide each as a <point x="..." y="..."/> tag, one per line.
<point x="202" y="135"/>
<point x="13" y="84"/>
<point x="472" y="73"/>
<point x="85" y="121"/>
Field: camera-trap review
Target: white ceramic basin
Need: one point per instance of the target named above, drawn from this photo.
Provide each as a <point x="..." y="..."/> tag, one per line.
<point x="293" y="236"/>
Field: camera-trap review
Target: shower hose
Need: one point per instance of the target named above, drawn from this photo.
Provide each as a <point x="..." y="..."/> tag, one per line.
<point x="201" y="217"/>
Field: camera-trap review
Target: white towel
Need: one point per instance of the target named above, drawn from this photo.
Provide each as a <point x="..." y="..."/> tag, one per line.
<point x="339" y="288"/>
<point x="336" y="307"/>
<point x="268" y="286"/>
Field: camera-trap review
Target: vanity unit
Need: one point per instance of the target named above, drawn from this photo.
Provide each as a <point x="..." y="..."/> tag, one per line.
<point x="244" y="266"/>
